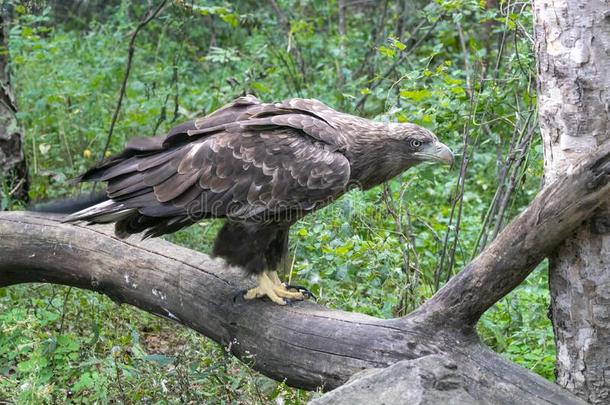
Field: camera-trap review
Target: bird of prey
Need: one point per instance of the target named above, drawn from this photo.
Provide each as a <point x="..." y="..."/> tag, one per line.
<point x="262" y="167"/>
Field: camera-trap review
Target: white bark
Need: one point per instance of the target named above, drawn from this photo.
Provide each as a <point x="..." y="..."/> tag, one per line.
<point x="573" y="53"/>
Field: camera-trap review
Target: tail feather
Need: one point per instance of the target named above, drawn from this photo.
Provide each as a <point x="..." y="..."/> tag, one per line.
<point x="69" y="205"/>
<point x="102" y="213"/>
<point x="96" y="208"/>
<point x="100" y="209"/>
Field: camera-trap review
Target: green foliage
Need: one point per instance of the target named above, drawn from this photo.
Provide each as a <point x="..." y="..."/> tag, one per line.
<point x="377" y="252"/>
<point x="61" y="344"/>
<point x="523" y="336"/>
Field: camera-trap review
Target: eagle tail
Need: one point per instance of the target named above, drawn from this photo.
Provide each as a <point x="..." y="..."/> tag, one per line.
<point x="127" y="221"/>
<point x="105" y="212"/>
<point x="96" y="208"/>
<point x="69" y="205"/>
<point x="99" y="209"/>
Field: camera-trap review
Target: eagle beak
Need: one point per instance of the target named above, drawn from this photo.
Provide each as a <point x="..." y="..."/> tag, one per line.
<point x="436" y="152"/>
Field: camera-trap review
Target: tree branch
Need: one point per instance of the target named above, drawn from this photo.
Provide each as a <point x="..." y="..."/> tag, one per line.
<point x="528" y="239"/>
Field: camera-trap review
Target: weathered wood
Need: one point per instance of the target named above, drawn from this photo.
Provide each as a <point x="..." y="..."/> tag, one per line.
<point x="304" y="344"/>
<point x="428" y="380"/>
<point x="572" y="42"/>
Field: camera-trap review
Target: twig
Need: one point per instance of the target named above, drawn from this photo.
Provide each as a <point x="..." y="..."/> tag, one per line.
<point x="63" y="310"/>
<point x="148" y="17"/>
<point x="341" y="10"/>
<point x="466" y="57"/>
<point x="292" y="73"/>
<point x="503" y="192"/>
<point x="392" y="68"/>
<point x="342" y="38"/>
<point x="459" y="198"/>
<point x="524" y="150"/>
<point x="292" y="46"/>
<point x="400" y="29"/>
<point x="118" y="377"/>
<point x="16" y="188"/>
<point x="62" y="133"/>
<point x="176" y="93"/>
<point x="396" y="215"/>
<point x="493" y="206"/>
<point x="377" y="29"/>
<point x="409" y="299"/>
<point x="162" y="114"/>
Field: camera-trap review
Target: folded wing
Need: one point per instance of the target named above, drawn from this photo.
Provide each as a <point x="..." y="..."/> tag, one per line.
<point x="247" y="161"/>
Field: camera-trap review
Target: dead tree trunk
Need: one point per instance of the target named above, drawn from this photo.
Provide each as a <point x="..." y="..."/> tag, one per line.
<point x="13" y="173"/>
<point x="307" y="345"/>
<point x="572" y="45"/>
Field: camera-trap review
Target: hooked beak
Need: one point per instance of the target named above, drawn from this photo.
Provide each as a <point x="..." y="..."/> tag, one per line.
<point x="436" y="152"/>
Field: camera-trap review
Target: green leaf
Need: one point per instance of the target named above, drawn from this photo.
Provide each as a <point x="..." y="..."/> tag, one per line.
<point x="384" y="50"/>
<point x="259" y="87"/>
<point x="416" y="95"/>
<point x="232" y="19"/>
<point x="396" y="43"/>
<point x="85" y="381"/>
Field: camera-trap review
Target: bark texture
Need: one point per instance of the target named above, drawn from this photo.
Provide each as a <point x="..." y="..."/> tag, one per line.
<point x="13" y="173"/>
<point x="573" y="51"/>
<point x="306" y="345"/>
<point x="428" y="380"/>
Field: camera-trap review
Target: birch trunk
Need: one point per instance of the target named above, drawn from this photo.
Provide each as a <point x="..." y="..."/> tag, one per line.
<point x="572" y="39"/>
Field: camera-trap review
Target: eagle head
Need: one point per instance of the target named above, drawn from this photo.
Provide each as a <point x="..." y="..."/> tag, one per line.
<point x="418" y="144"/>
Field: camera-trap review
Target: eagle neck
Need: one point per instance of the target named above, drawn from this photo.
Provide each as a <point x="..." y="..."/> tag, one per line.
<point x="372" y="156"/>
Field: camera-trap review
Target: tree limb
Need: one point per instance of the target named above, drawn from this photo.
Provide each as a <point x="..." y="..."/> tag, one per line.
<point x="528" y="239"/>
<point x="306" y="345"/>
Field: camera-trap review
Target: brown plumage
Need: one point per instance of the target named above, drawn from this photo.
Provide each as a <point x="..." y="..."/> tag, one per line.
<point x="262" y="166"/>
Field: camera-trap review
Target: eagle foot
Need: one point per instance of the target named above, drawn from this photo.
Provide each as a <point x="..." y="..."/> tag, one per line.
<point x="270" y="286"/>
<point x="299" y="288"/>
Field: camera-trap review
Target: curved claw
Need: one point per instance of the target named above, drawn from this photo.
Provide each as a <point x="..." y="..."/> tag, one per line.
<point x="301" y="289"/>
<point x="239" y="294"/>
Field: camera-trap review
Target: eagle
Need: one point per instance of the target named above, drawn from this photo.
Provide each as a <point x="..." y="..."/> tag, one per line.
<point x="261" y="167"/>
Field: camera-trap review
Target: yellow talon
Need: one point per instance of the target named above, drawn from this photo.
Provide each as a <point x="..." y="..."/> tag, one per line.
<point x="269" y="285"/>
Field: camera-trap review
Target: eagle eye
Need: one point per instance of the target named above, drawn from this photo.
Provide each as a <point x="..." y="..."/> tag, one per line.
<point x="415" y="143"/>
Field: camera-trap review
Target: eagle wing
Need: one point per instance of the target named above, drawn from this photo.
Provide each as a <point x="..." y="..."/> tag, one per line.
<point x="247" y="161"/>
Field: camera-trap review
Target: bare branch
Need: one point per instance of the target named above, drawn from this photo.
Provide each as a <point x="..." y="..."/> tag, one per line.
<point x="507" y="261"/>
<point x="148" y="17"/>
<point x="292" y="45"/>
